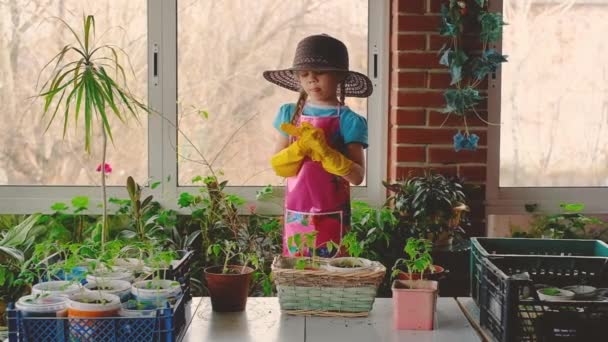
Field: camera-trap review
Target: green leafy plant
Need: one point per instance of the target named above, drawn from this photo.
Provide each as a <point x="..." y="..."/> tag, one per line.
<point x="229" y="251"/>
<point x="304" y="248"/>
<point x="89" y="78"/>
<point x="468" y="69"/>
<point x="569" y="223"/>
<point x="551" y="291"/>
<point x="429" y="204"/>
<point x="418" y="259"/>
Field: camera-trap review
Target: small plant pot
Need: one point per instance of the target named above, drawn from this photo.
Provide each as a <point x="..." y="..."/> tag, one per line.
<point x="552" y="294"/>
<point x="117" y="274"/>
<point x="414" y="304"/>
<point x="56" y="288"/>
<point x="121" y="288"/>
<point x="582" y="291"/>
<point x="42" y="306"/>
<point x="131" y="264"/>
<point x="348" y="264"/>
<point x="135" y="309"/>
<point x="85" y="306"/>
<point x="437" y="272"/>
<point x="90" y="304"/>
<point x="228" y="291"/>
<point x="156" y="291"/>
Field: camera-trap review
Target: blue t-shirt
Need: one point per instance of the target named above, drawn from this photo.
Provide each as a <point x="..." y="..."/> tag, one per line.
<point x="353" y="127"/>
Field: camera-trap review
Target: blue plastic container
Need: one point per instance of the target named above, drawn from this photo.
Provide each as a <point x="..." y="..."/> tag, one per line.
<point x="166" y="326"/>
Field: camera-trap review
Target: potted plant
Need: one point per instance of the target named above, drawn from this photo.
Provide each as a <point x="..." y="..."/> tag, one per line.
<point x="86" y="306"/>
<point x="353" y="262"/>
<point x="228" y="284"/>
<point x="83" y="81"/>
<point x="554" y="294"/>
<point x="415" y="300"/>
<point x="431" y="206"/>
<point x="158" y="290"/>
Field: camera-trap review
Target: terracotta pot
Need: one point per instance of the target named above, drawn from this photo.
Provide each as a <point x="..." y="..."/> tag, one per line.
<point x="438" y="271"/>
<point x="229" y="291"/>
<point x="414" y="304"/>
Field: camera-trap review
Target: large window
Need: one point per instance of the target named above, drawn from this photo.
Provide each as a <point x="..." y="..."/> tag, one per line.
<point x="551" y="99"/>
<point x="199" y="65"/>
<point x="30" y="35"/>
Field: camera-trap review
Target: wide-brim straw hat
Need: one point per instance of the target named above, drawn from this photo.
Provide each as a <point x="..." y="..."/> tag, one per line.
<point x="322" y="53"/>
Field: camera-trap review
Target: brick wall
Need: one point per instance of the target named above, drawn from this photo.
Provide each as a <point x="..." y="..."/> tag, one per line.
<point x="416" y="138"/>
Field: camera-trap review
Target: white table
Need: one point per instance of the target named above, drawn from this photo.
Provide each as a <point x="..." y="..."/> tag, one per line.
<point x="263" y="321"/>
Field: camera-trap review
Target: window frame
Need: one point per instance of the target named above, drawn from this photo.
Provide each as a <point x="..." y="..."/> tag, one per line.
<point x="162" y="134"/>
<point x="512" y="200"/>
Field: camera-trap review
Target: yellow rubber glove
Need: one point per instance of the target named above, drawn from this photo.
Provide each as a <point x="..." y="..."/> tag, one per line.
<point x="313" y="138"/>
<point x="287" y="162"/>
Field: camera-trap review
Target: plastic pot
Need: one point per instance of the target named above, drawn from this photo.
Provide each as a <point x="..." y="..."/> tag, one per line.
<point x="157" y="291"/>
<point x="121" y="288"/>
<point x="43" y="306"/>
<point x="348" y="264"/>
<point x="414" y="304"/>
<point x="228" y="291"/>
<point x="437" y="272"/>
<point x="56" y="288"/>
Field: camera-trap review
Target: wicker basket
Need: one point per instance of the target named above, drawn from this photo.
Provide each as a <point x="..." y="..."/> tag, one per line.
<point x="322" y="292"/>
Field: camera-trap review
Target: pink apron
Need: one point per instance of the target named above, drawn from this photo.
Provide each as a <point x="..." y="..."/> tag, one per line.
<point x="315" y="199"/>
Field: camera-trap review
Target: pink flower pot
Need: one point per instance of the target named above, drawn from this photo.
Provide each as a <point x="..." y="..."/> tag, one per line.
<point x="414" y="304"/>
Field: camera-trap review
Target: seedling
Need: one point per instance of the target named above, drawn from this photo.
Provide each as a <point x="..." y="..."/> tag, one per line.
<point x="419" y="258"/>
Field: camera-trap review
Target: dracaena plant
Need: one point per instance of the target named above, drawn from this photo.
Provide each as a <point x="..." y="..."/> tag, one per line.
<point x="88" y="83"/>
<point x="468" y="69"/>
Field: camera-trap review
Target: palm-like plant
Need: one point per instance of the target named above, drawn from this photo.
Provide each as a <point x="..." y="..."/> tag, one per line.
<point x="81" y="82"/>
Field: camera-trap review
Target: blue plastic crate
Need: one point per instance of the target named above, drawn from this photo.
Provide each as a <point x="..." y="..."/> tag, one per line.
<point x="167" y="326"/>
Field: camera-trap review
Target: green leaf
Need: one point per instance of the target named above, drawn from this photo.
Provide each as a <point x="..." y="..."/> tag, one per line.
<point x="197" y="179"/>
<point x="204" y="114"/>
<point x="572" y="207"/>
<point x="80" y="202"/>
<point x="154" y="185"/>
<point x="59" y="206"/>
<point x="491" y="26"/>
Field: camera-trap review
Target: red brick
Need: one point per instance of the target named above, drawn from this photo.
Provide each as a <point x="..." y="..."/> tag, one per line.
<point x="410" y="154"/>
<point x="435" y="5"/>
<point x="439" y="80"/>
<point x="410" y="6"/>
<point x="418" y="60"/>
<point x="437" y="118"/>
<point x="472" y="44"/>
<point x="417" y="23"/>
<point x="412" y="117"/>
<point x="436" y="42"/>
<point x="410" y="79"/>
<point x="411" y="42"/>
<point x="449" y="156"/>
<point x="442" y="80"/>
<point x="407" y="98"/>
<point x="403" y="172"/>
<point x="432" y="136"/>
<point x="472" y="173"/>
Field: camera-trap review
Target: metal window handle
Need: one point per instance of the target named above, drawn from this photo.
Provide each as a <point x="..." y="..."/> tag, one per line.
<point x="155" y="64"/>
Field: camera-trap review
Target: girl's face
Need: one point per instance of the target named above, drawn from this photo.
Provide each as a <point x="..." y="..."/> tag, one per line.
<point x="321" y="86"/>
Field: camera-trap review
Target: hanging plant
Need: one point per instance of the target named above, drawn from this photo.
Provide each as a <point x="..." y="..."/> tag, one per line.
<point x="89" y="83"/>
<point x="467" y="70"/>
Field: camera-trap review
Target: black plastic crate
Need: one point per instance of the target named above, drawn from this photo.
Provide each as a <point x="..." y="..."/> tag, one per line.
<point x="511" y="311"/>
<point x="506" y="247"/>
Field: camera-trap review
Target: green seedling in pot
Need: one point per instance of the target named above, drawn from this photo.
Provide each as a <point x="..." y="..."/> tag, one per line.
<point x="301" y="244"/>
<point x="230" y="250"/>
<point x="418" y="260"/>
<point x="551" y="291"/>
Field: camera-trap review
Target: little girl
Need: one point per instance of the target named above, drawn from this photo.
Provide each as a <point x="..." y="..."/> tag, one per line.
<point x="320" y="141"/>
